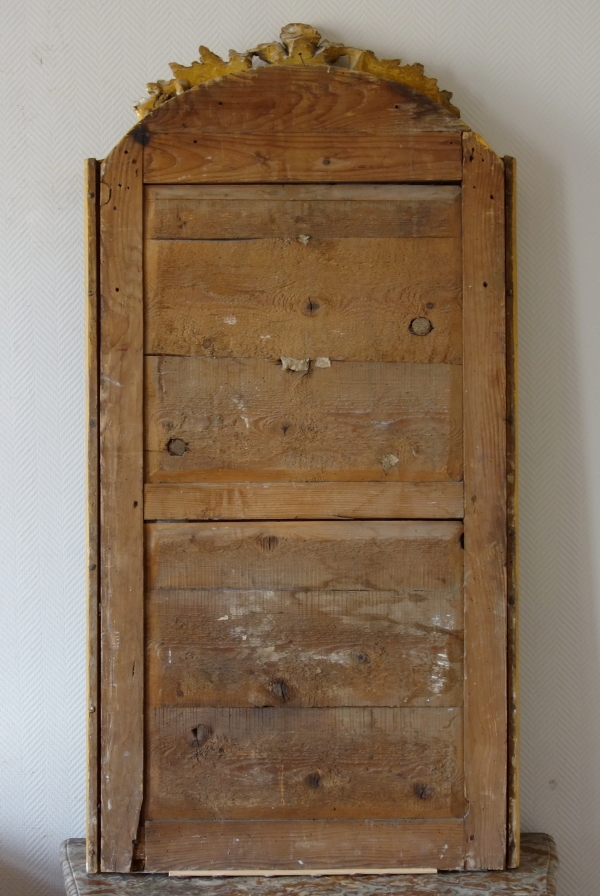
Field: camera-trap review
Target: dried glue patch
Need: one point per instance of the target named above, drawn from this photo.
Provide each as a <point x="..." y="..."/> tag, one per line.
<point x="389" y="462"/>
<point x="322" y="362"/>
<point x="297" y="364"/>
<point x="303" y="238"/>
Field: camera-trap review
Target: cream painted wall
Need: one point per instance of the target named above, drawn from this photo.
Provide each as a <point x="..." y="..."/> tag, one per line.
<point x="524" y="74"/>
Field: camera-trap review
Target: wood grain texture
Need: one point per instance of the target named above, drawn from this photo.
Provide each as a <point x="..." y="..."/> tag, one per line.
<point x="121" y="507"/>
<point x="347" y="299"/>
<point x="269" y="763"/>
<point x="317" y="843"/>
<point x="300" y="157"/>
<point x="405" y="212"/>
<point x="512" y="495"/>
<point x="239" y="419"/>
<point x="305" y="648"/>
<point x="274" y="99"/>
<point x="536" y="875"/>
<point x="485" y="505"/>
<point x="290" y="556"/>
<point x="91" y="184"/>
<point x="305" y="500"/>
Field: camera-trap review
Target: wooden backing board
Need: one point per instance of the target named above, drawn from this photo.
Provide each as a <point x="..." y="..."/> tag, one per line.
<point x="514" y="821"/>
<point x="302" y="99"/>
<point x="287" y="844"/>
<point x="485" y="505"/>
<point x="121" y="504"/>
<point x="91" y="185"/>
<point x="304" y="500"/>
<point x="234" y="419"/>
<point x="270" y="298"/>
<point x="289" y="212"/>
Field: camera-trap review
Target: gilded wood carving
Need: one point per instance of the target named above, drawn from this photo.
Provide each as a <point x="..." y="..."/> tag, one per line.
<point x="300" y="45"/>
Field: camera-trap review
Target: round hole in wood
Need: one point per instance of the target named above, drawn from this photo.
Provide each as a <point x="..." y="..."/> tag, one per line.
<point x="420" y="326"/>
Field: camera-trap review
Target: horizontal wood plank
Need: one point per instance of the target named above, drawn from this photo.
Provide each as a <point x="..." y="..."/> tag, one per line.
<point x="302" y="99"/>
<point x="305" y="648"/>
<point x="303" y="844"/>
<point x="418" y="212"/>
<point x="301" y="157"/>
<point x="372" y="762"/>
<point x="347" y="299"/>
<point x="397" y="555"/>
<point x="299" y="844"/>
<point x="303" y="500"/>
<point x="239" y="419"/>
<point x="303" y="192"/>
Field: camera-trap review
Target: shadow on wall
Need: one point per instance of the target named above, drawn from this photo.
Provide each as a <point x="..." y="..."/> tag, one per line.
<point x="14" y="881"/>
<point x="559" y="600"/>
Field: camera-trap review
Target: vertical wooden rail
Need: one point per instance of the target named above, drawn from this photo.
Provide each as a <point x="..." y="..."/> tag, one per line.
<point x="513" y="839"/>
<point x="91" y="173"/>
<point x="485" y="504"/>
<point x="121" y="503"/>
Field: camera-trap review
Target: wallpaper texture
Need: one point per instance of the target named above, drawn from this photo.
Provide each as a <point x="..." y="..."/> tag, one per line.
<point x="524" y="75"/>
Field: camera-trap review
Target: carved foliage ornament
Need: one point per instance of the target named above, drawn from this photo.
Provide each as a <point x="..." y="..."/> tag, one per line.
<point x="300" y="45"/>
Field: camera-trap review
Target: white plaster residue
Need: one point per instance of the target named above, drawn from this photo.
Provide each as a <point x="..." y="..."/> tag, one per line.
<point x="222" y="618"/>
<point x="230" y="319"/>
<point x="322" y="362"/>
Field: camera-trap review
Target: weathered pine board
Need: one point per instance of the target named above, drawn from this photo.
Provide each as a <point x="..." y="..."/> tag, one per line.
<point x="514" y="821"/>
<point x="346" y="299"/>
<point x="121" y="504"/>
<point x="244" y="418"/>
<point x="536" y="875"/>
<point x="413" y="212"/>
<point x="305" y="648"/>
<point x="299" y="158"/>
<point x="303" y="500"/>
<point x="268" y="763"/>
<point x="305" y="100"/>
<point x="316" y="844"/>
<point x="485" y="505"/>
<point x="93" y="654"/>
<point x="291" y="556"/>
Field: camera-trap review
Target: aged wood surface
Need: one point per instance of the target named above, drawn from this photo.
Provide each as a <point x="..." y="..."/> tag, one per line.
<point x="298" y="158"/>
<point x="391" y="555"/>
<point x="303" y="500"/>
<point x="121" y="506"/>
<point x="485" y="505"/>
<point x="274" y="98"/>
<point x="268" y="763"/>
<point x="301" y="46"/>
<point x="399" y="211"/>
<point x="346" y="299"/>
<point x="536" y="875"/>
<point x="514" y="821"/>
<point x="91" y="184"/>
<point x="312" y="844"/>
<point x="239" y="419"/>
<point x="305" y="648"/>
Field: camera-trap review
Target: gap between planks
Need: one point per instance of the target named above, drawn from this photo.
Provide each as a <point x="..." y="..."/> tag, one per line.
<point x="304" y="872"/>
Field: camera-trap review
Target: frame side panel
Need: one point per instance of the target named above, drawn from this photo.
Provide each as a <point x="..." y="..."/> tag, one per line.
<point x="485" y="505"/>
<point x="91" y="178"/>
<point x="514" y="806"/>
<point x="121" y="504"/>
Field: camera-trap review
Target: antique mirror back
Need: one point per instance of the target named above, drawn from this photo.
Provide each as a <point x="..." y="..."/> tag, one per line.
<point x="298" y="484"/>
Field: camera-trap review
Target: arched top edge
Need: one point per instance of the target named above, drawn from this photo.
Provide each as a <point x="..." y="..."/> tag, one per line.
<point x="301" y="45"/>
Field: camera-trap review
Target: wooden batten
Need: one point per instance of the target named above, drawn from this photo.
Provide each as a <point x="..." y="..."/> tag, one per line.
<point x="121" y="504"/>
<point x="484" y="368"/>
<point x="512" y="499"/>
<point x="91" y="186"/>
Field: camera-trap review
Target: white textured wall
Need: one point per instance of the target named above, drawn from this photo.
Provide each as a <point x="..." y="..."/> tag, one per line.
<point x="524" y="74"/>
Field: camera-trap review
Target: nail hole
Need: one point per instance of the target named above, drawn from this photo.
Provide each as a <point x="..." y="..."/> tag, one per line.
<point x="485" y="283"/>
<point x="177" y="447"/>
<point x="135" y="503"/>
<point x="327" y="161"/>
<point x="313" y="780"/>
<point x="420" y="326"/>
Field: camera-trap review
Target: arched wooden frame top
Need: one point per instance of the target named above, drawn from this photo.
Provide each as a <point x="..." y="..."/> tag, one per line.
<point x="288" y="122"/>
